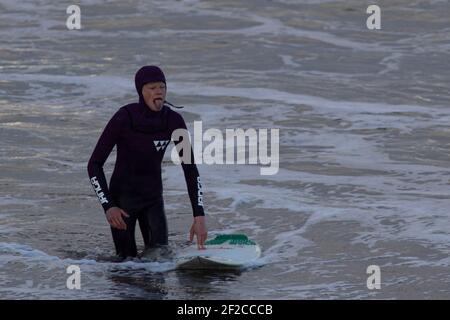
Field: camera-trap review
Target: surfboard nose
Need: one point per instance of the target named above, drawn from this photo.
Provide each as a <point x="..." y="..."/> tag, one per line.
<point x="225" y="251"/>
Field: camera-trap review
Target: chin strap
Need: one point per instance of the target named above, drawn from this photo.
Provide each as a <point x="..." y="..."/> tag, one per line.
<point x="168" y="103"/>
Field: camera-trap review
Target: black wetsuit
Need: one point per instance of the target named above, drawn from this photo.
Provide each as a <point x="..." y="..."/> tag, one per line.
<point x="141" y="137"/>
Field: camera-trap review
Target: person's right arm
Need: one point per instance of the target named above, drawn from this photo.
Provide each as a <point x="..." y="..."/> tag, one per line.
<point x="105" y="144"/>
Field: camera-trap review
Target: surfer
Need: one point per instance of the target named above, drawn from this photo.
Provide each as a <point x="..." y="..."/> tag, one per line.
<point x="141" y="131"/>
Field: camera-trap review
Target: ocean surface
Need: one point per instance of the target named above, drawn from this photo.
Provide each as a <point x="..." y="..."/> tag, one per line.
<point x="364" y="122"/>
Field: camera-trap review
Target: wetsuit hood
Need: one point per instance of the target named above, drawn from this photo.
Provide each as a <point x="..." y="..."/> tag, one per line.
<point x="143" y="119"/>
<point x="145" y="75"/>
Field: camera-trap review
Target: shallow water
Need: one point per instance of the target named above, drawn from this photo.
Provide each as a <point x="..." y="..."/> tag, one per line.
<point x="364" y="144"/>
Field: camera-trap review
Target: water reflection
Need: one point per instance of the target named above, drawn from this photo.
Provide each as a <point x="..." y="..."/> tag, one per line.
<point x="132" y="284"/>
<point x="201" y="284"/>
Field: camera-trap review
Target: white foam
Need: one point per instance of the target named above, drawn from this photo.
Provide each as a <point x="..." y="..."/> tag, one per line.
<point x="396" y="195"/>
<point x="33" y="257"/>
<point x="118" y="86"/>
<point x="263" y="25"/>
<point x="10" y="200"/>
<point x="391" y="63"/>
<point x="416" y="262"/>
<point x="92" y="85"/>
<point x="289" y="61"/>
<point x="266" y="25"/>
<point x="319" y="103"/>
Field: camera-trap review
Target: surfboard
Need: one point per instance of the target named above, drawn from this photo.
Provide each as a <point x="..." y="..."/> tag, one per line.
<point x="225" y="251"/>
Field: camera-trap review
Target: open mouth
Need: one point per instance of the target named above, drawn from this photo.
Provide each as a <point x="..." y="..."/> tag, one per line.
<point x="157" y="100"/>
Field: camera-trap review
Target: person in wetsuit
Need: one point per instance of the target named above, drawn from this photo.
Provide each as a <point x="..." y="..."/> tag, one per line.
<point x="142" y="131"/>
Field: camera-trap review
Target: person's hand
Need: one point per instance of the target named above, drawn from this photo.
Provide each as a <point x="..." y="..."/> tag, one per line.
<point x="199" y="229"/>
<point x="114" y="217"/>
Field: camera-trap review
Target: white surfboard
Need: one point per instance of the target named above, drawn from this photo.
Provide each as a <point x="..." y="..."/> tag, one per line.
<point x="226" y="251"/>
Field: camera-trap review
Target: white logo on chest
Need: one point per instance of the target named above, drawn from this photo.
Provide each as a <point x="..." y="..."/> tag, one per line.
<point x="161" y="144"/>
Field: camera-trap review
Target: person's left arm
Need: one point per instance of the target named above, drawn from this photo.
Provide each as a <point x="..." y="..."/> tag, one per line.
<point x="194" y="187"/>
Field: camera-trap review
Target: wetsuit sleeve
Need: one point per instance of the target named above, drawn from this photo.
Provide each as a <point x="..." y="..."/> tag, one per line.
<point x="105" y="144"/>
<point x="191" y="176"/>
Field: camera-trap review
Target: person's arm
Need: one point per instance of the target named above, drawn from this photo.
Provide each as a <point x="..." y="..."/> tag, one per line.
<point x="100" y="154"/>
<point x="194" y="186"/>
<point x="195" y="190"/>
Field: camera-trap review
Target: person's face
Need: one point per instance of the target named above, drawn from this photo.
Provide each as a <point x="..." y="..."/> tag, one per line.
<point x="154" y="94"/>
